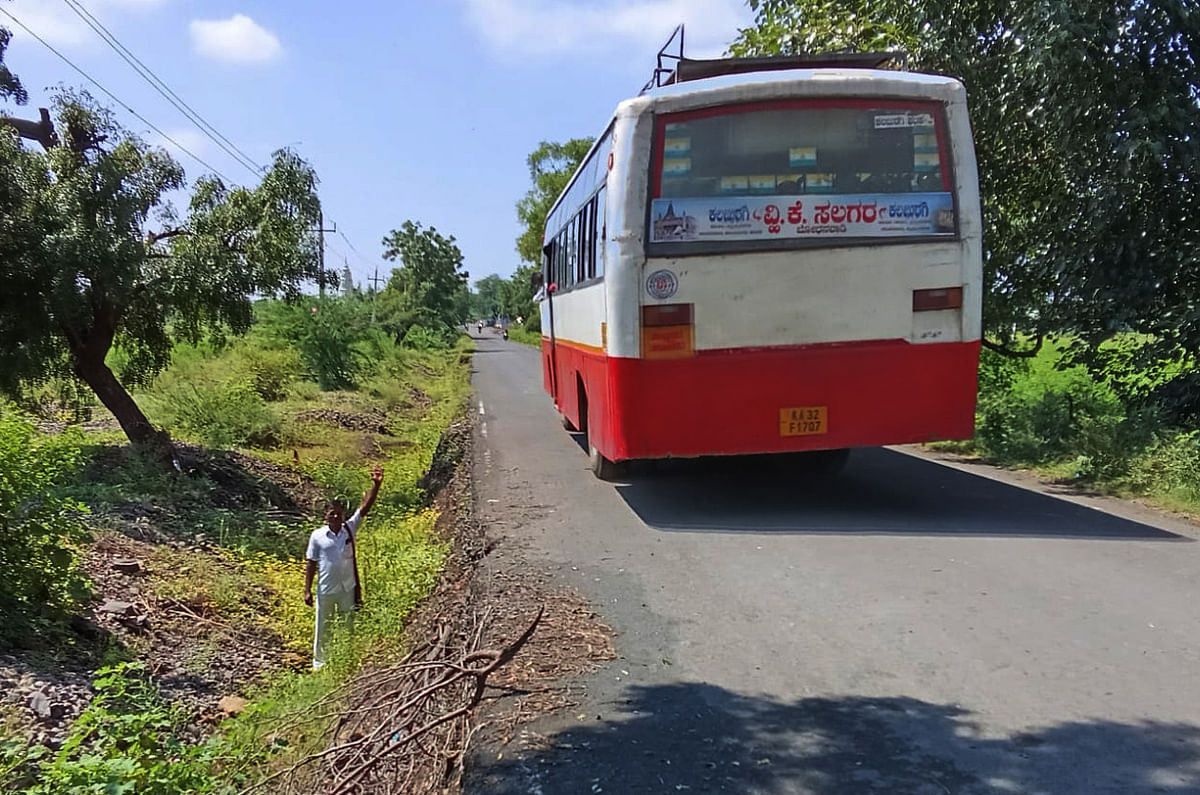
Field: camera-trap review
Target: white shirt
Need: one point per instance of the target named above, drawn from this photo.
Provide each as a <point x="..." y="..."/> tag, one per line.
<point x="334" y="555"/>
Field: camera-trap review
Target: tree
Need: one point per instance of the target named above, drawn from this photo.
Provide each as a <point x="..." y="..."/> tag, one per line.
<point x="429" y="279"/>
<point x="551" y="166"/>
<point x="10" y="85"/>
<point x="1087" y="123"/>
<point x="516" y="297"/>
<point x="91" y="255"/>
<point x="487" y="292"/>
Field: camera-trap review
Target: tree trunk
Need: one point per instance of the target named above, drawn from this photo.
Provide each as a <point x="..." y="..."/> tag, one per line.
<point x="116" y="399"/>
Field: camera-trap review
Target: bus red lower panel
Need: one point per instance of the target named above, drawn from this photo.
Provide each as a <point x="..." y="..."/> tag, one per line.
<point x="729" y="402"/>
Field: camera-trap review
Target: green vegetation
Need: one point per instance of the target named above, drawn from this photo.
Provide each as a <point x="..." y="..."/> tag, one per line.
<point x="526" y="337"/>
<point x="1048" y="414"/>
<point x="40" y="530"/>
<point x="262" y="395"/>
<point x="128" y="740"/>
<point x="110" y="294"/>
<point x="429" y="282"/>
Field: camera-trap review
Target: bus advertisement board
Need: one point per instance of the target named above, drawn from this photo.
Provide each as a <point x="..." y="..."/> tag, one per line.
<point x="733" y="218"/>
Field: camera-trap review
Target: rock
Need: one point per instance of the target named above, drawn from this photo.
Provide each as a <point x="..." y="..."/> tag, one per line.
<point x="118" y="608"/>
<point x="127" y="566"/>
<point x="86" y="628"/>
<point x="232" y="705"/>
<point x="39" y="704"/>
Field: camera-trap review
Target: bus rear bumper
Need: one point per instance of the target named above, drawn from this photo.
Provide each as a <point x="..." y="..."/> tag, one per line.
<point x="730" y="402"/>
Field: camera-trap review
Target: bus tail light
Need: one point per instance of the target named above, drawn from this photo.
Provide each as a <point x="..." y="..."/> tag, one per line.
<point x="668" y="331"/>
<point x="937" y="298"/>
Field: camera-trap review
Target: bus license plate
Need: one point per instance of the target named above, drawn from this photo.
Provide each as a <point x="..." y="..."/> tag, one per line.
<point x="803" y="420"/>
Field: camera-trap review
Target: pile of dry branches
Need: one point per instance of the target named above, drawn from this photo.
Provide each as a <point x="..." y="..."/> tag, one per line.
<point x="403" y="728"/>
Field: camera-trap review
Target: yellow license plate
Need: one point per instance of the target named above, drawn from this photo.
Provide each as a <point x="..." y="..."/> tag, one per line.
<point x="803" y="420"/>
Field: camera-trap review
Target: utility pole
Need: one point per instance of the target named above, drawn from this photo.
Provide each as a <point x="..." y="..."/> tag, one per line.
<point x="321" y="230"/>
<point x="374" y="280"/>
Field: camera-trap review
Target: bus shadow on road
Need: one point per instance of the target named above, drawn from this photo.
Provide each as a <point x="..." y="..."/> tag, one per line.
<point x="880" y="492"/>
<point x="704" y="738"/>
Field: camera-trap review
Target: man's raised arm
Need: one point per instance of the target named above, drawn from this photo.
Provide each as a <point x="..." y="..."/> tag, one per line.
<point x="369" y="497"/>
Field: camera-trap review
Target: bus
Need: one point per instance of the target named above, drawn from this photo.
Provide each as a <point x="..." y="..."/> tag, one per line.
<point x="774" y="256"/>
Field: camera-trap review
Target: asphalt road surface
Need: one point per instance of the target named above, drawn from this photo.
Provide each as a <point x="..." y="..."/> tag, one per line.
<point x="910" y="627"/>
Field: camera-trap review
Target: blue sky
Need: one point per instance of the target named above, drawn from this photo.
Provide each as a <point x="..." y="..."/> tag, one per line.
<point x="407" y="110"/>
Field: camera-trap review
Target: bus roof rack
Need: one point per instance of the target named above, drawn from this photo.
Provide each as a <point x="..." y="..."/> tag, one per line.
<point x="693" y="69"/>
<point x="687" y="69"/>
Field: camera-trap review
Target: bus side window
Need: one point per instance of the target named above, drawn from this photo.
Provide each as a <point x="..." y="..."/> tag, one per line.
<point x="582" y="236"/>
<point x="560" y="266"/>
<point x="548" y="263"/>
<point x="602" y="224"/>
<point x="591" y="238"/>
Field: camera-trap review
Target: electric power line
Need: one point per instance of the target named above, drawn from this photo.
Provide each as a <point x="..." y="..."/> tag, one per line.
<point x="114" y="97"/>
<point x="147" y="74"/>
<point x="357" y="253"/>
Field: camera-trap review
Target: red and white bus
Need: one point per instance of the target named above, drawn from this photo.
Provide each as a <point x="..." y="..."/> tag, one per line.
<point x="768" y="262"/>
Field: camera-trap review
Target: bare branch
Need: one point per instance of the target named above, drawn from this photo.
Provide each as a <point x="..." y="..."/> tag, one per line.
<point x="417" y="727"/>
<point x="154" y="237"/>
<point x="1004" y="350"/>
<point x="41" y="131"/>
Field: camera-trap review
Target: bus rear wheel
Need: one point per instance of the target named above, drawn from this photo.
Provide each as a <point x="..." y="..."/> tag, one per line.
<point x="602" y="467"/>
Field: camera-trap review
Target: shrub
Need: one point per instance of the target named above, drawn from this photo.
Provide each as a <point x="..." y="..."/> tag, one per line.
<point x="268" y="371"/>
<point x="1171" y="465"/>
<point x="1037" y="412"/>
<point x="38" y="528"/>
<point x="60" y="396"/>
<point x="220" y="415"/>
<point x="323" y="330"/>
<point x="423" y="338"/>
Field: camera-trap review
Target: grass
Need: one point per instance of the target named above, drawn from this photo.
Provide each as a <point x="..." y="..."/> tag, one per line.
<point x="526" y="337"/>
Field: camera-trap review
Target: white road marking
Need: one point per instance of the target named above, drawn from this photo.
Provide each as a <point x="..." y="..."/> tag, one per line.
<point x="481" y="407"/>
<point x="483" y="430"/>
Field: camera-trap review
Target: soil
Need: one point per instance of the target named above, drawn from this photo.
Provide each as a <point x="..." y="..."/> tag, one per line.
<point x="369" y="422"/>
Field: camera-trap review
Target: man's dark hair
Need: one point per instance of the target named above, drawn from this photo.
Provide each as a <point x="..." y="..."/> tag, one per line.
<point x="329" y="506"/>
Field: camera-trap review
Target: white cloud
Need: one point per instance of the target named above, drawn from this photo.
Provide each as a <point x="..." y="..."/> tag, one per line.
<point x="238" y="39"/>
<point x="554" y="27"/>
<point x="60" y="26"/>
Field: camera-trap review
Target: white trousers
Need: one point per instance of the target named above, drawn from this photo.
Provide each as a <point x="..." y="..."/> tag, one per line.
<point x="330" y="607"/>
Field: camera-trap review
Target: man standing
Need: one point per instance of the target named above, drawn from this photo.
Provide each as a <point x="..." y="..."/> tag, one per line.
<point x="332" y="560"/>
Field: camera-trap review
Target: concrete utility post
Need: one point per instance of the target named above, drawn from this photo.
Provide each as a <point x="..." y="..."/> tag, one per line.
<point x="321" y="230"/>
<point x="374" y="280"/>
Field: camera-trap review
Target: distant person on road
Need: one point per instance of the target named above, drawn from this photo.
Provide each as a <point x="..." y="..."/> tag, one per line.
<point x="332" y="560"/>
<point x="481" y="327"/>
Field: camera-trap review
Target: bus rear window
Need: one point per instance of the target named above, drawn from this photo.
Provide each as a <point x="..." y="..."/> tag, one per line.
<point x="822" y="170"/>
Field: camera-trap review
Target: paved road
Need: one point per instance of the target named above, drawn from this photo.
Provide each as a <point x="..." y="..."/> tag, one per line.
<point x="910" y="628"/>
